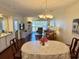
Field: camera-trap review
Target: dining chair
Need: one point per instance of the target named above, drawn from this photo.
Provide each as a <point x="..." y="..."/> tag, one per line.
<point x="40" y="30"/>
<point x="74" y="48"/>
<point x="15" y="49"/>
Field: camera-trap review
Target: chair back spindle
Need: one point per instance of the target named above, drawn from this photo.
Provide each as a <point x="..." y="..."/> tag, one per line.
<point x="74" y="48"/>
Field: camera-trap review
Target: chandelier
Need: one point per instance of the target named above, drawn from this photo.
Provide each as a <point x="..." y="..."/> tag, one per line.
<point x="45" y="15"/>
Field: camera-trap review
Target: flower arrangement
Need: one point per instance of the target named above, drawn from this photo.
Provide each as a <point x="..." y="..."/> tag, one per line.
<point x="43" y="40"/>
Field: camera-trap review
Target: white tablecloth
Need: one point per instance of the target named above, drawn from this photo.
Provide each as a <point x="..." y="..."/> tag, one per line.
<point x="51" y="50"/>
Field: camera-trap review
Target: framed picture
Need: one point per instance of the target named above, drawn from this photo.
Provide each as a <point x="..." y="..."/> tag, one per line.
<point x="21" y="26"/>
<point x="75" y="28"/>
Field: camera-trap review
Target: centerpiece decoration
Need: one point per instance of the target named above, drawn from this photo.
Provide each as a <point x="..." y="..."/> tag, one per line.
<point x="43" y="40"/>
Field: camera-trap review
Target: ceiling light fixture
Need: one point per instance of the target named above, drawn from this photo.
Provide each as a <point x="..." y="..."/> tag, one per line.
<point x="45" y="15"/>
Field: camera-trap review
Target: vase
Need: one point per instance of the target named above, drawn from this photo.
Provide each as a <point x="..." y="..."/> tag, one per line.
<point x="43" y="43"/>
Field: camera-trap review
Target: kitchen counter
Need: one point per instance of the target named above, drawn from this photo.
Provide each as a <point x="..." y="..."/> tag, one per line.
<point x="4" y="34"/>
<point x="5" y="40"/>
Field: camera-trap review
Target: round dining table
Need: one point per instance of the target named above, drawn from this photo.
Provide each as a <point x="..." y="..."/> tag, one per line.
<point x="51" y="50"/>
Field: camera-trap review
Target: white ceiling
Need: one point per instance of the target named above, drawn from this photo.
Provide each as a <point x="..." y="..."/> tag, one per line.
<point x="31" y="7"/>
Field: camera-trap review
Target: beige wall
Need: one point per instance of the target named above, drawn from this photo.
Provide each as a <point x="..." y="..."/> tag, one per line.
<point x="66" y="16"/>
